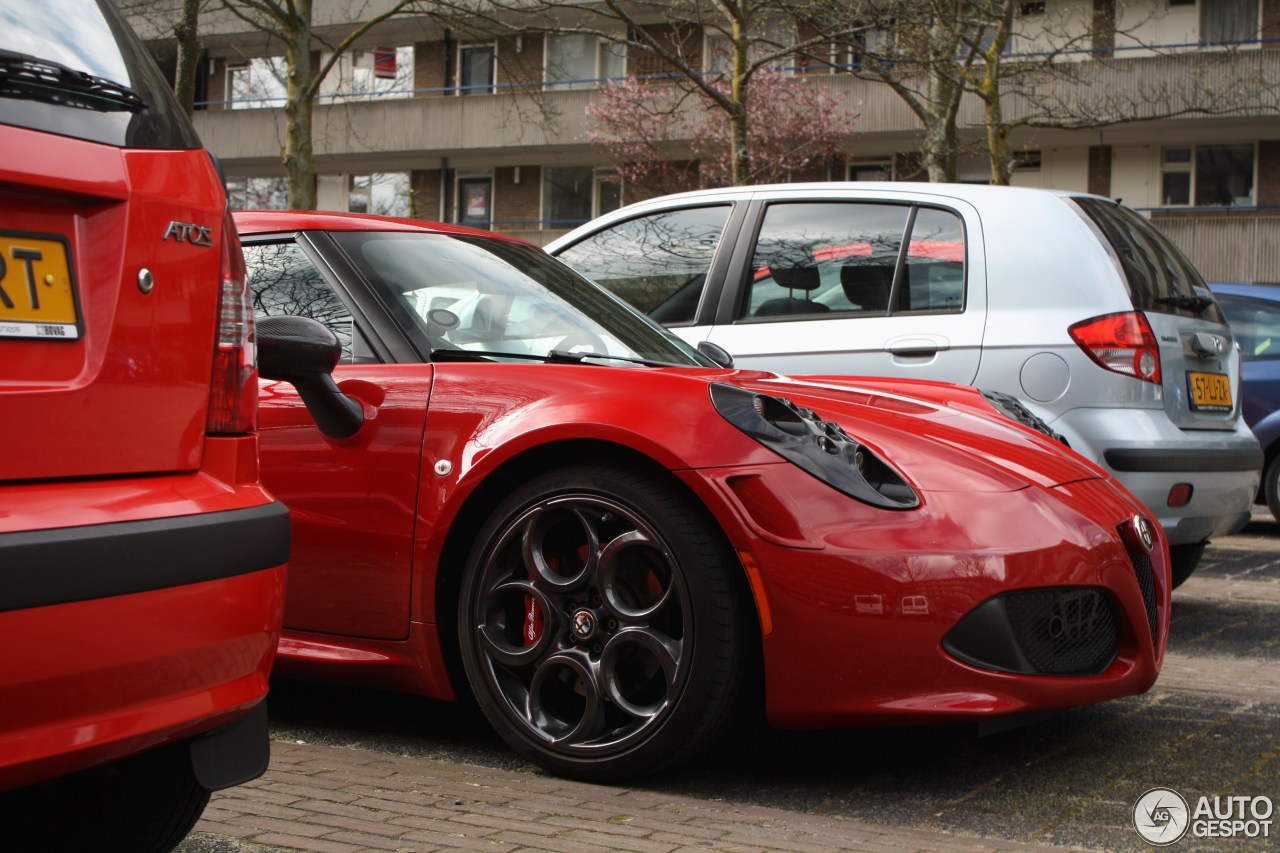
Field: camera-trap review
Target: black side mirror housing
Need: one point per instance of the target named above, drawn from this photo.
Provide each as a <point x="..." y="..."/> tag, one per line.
<point x="716" y="353"/>
<point x="303" y="352"/>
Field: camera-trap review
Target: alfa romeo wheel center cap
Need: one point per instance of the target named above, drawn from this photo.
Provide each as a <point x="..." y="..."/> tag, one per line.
<point x="583" y="624"/>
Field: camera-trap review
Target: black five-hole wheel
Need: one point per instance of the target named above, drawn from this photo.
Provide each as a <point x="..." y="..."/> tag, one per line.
<point x="601" y="628"/>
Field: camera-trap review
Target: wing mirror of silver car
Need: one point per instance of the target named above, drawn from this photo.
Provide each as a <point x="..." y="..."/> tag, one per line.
<point x="303" y="352"/>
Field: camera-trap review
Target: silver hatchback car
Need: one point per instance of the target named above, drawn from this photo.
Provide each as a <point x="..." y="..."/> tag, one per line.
<point x="1072" y="303"/>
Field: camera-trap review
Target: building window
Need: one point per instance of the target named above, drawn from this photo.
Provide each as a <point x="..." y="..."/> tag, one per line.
<point x="1207" y="176"/>
<point x="1228" y="21"/>
<point x="475" y="200"/>
<point x="257" y="83"/>
<point x="1027" y="160"/>
<point x="382" y="72"/>
<point x="578" y="61"/>
<point x="870" y="170"/>
<point x="258" y="193"/>
<point x="477" y="68"/>
<point x="383" y="193"/>
<point x="573" y="195"/>
<point x="771" y="35"/>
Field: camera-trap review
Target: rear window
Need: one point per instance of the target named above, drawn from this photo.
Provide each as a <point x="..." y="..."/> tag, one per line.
<point x="1159" y="277"/>
<point x="76" y="69"/>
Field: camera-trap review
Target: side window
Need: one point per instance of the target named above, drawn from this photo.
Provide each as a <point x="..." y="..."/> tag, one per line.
<point x="658" y="263"/>
<point x="284" y="281"/>
<point x="1256" y="325"/>
<point x="934" y="264"/>
<point x="822" y="258"/>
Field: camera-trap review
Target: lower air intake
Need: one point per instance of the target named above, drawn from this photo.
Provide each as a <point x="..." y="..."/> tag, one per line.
<point x="1059" y="631"/>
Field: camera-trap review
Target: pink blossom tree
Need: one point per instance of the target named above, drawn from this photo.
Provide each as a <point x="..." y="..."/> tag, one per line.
<point x="783" y="124"/>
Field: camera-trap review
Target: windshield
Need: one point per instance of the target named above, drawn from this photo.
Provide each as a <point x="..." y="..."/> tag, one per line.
<point x="493" y="296"/>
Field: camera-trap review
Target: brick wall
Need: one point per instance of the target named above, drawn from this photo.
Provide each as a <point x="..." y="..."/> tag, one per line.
<point x="1099" y="170"/>
<point x="514" y="202"/>
<point x="428" y="66"/>
<point x="1269" y="172"/>
<point x="426" y="194"/>
<point x="1271" y="22"/>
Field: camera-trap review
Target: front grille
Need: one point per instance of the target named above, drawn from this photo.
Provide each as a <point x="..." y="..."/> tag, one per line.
<point x="1064" y="631"/>
<point x="1147" y="583"/>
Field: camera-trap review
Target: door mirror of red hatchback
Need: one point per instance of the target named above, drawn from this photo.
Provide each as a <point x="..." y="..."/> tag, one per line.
<point x="303" y="352"/>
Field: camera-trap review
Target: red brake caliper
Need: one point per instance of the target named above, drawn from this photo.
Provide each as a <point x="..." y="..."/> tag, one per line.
<point x="532" y="621"/>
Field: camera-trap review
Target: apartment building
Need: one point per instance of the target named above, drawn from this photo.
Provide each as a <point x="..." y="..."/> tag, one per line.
<point x="420" y="119"/>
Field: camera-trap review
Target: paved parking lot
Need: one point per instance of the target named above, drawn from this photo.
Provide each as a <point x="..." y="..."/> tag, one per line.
<point x="359" y="770"/>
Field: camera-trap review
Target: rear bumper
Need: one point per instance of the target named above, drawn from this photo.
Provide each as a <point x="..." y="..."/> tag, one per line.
<point x="127" y="635"/>
<point x="1149" y="455"/>
<point x="63" y="565"/>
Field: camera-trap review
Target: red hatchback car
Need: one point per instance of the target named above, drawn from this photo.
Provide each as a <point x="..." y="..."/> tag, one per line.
<point x="141" y="561"/>
<point x="523" y="489"/>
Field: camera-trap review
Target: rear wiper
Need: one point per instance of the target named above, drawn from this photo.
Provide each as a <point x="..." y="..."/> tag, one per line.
<point x="31" y="78"/>
<point x="1186" y="301"/>
<point x="555" y="356"/>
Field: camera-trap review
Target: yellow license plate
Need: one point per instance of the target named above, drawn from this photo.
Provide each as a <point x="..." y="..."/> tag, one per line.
<point x="1210" y="392"/>
<point x="37" y="291"/>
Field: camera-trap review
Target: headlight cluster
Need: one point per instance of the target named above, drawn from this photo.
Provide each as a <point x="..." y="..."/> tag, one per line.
<point x="820" y="447"/>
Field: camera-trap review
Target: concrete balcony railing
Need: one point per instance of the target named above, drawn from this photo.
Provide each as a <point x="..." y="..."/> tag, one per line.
<point x="505" y="128"/>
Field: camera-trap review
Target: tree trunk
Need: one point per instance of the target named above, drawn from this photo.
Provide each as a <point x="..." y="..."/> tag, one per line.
<point x="189" y="49"/>
<point x="298" y="157"/>
<point x="739" y="142"/>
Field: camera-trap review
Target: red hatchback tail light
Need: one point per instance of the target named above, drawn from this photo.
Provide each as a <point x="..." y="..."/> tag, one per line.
<point x="233" y="394"/>
<point x="1122" y="343"/>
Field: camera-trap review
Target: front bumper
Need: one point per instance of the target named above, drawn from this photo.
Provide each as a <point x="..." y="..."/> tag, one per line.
<point x="861" y="600"/>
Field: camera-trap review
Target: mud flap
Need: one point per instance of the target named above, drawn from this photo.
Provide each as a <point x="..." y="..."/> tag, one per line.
<point x="233" y="754"/>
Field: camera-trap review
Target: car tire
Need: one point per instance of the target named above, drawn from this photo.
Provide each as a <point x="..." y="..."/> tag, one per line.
<point x="1183" y="560"/>
<point x="143" y="804"/>
<point x="1271" y="486"/>
<point x="602" y="627"/>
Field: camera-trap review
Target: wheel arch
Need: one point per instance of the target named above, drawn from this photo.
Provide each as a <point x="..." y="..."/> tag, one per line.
<point x="478" y="504"/>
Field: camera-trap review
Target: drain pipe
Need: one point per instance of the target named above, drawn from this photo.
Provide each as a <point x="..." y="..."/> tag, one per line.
<point x="444" y="185"/>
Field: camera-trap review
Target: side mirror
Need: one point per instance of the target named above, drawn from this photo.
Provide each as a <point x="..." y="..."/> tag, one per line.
<point x="302" y="352"/>
<point x="716" y="353"/>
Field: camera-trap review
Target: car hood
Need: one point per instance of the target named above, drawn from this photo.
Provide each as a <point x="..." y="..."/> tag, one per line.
<point x="942" y="437"/>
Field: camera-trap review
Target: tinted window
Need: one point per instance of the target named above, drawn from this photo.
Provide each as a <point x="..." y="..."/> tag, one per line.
<point x="1159" y="278"/>
<point x="284" y="281"/>
<point x="123" y="101"/>
<point x="658" y="263"/>
<point x="840" y="258"/>
<point x="1256" y="325"/>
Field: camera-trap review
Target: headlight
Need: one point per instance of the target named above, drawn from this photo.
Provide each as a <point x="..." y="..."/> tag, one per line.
<point x="1012" y="408"/>
<point x="821" y="448"/>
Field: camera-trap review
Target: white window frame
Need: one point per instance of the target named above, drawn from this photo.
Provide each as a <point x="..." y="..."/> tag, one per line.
<point x="1190" y="169"/>
<point x="471" y="45"/>
<point x="598" y="71"/>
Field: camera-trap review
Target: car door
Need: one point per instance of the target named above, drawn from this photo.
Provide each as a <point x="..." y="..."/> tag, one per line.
<point x="353" y="502"/>
<point x="856" y="284"/>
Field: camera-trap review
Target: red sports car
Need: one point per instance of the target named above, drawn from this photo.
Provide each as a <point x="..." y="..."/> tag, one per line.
<point x="523" y="489"/>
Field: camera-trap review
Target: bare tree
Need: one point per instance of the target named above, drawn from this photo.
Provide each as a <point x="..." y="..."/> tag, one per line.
<point x="290" y="23"/>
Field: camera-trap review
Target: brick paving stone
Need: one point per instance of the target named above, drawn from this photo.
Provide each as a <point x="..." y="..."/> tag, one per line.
<point x="311" y="845"/>
<point x="1227" y="678"/>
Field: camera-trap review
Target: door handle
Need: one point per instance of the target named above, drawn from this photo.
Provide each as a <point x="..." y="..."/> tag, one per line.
<point x="917" y="345"/>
